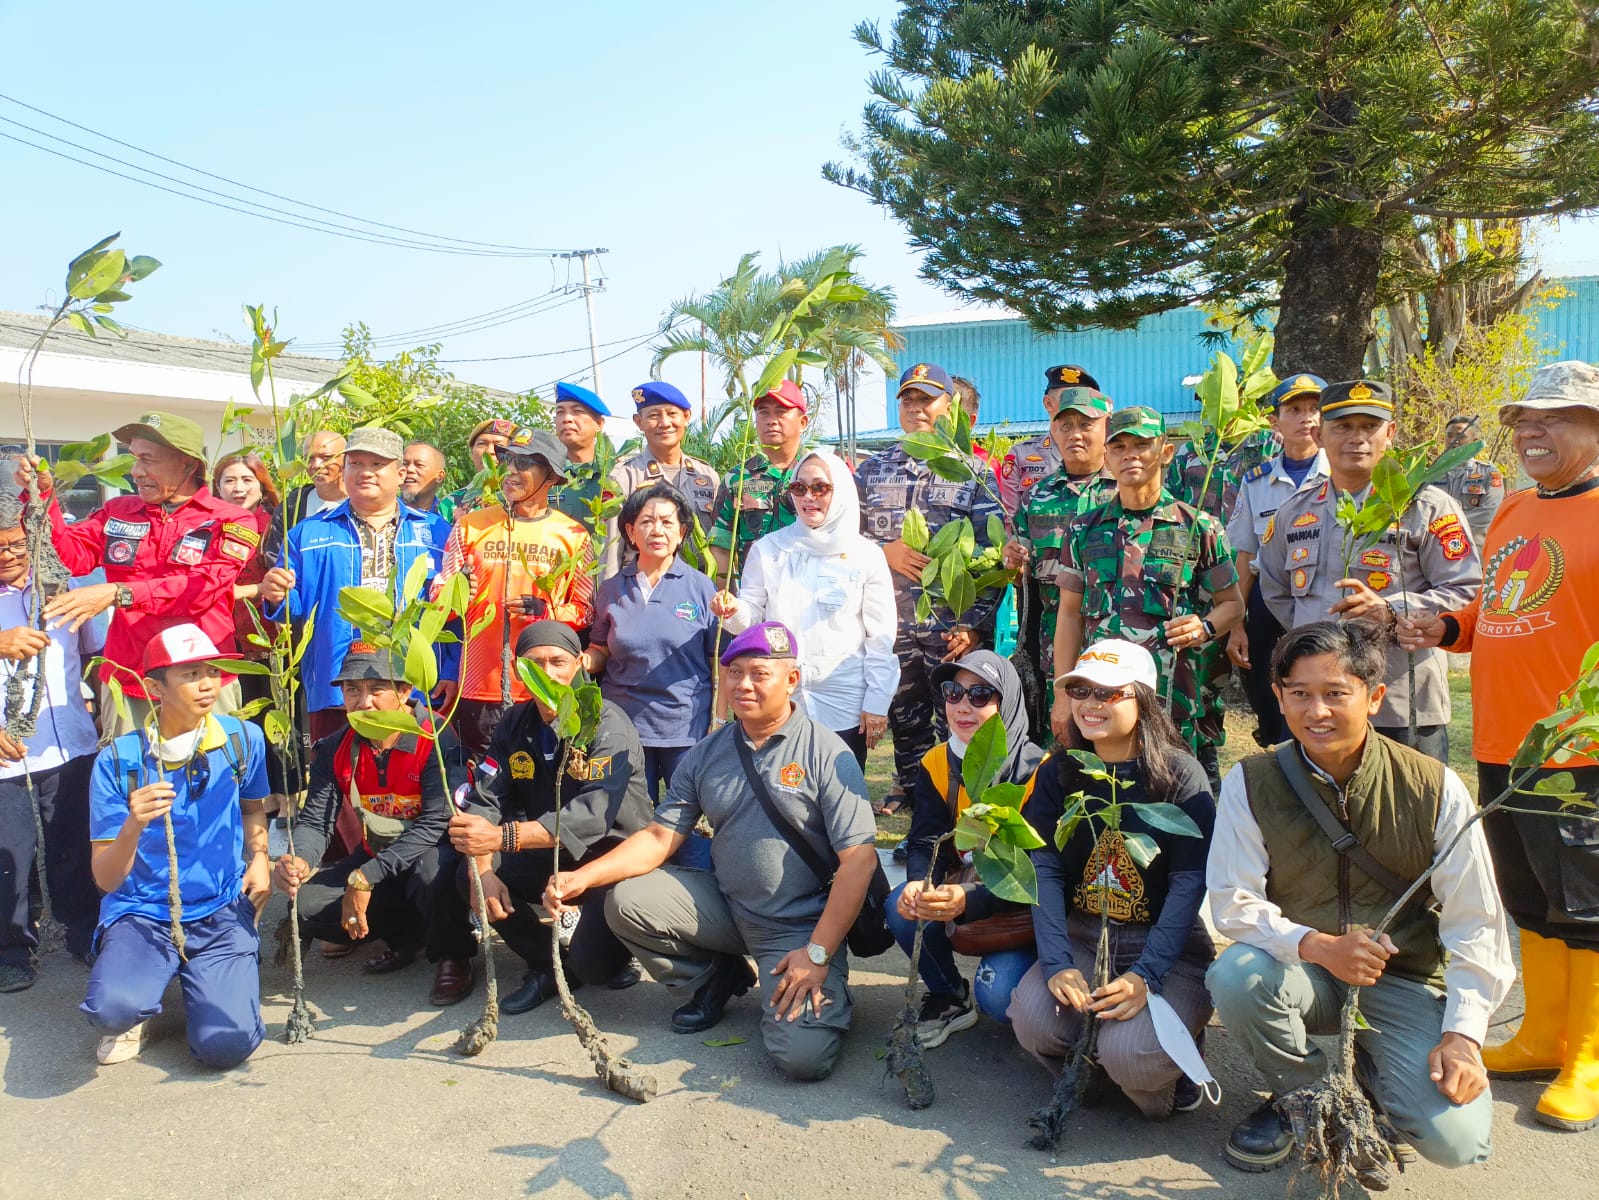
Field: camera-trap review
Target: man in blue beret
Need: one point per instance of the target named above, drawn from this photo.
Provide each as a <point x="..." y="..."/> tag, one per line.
<point x="580" y="424"/>
<point x="662" y="417"/>
<point x="781" y="792"/>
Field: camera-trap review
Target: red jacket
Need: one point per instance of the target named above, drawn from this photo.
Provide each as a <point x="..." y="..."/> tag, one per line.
<point x="180" y="566"/>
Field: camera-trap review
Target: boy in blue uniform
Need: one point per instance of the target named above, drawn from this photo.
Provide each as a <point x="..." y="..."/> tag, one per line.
<point x="208" y="773"/>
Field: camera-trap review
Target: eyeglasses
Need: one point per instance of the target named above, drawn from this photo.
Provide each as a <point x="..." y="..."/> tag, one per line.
<point x="1105" y="695"/>
<point x="519" y="459"/>
<point x="981" y="695"/>
<point x="15" y="549"/>
<point x="818" y="489"/>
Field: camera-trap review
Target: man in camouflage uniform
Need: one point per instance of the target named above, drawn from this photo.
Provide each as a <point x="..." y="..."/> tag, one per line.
<point x="1428" y="565"/>
<point x="579" y="424"/>
<point x="1150" y="569"/>
<point x="757" y="489"/>
<point x="892" y="483"/>
<point x="1077" y="433"/>
<point x="1477" y="485"/>
<point x="1027" y="463"/>
<point x="662" y="417"/>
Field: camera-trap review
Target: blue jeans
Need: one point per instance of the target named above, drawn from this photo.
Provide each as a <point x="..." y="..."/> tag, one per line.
<point x="659" y="763"/>
<point x="221" y="981"/>
<point x="997" y="974"/>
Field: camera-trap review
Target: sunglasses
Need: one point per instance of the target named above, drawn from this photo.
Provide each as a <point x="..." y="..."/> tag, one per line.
<point x="818" y="489"/>
<point x="980" y="694"/>
<point x="520" y="459"/>
<point x="1105" y="695"/>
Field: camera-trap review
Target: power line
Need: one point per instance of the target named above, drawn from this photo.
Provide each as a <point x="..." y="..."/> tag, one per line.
<point x="633" y="338"/>
<point x="511" y="313"/>
<point x="520" y="251"/>
<point x="574" y="376"/>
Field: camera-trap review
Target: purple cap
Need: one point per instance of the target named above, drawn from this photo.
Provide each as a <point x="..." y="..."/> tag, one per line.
<point x="769" y="639"/>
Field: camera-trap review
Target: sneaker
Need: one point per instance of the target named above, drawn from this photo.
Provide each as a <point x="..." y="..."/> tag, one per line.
<point x="1187" y="1096"/>
<point x="943" y="1015"/>
<point x="120" y="1047"/>
<point x="16" y="979"/>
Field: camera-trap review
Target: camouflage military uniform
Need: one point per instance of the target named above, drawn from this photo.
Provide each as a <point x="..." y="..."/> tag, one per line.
<point x="1045" y="513"/>
<point x="1479" y="488"/>
<point x="891" y="483"/>
<point x="1026" y="465"/>
<point x="1136" y="571"/>
<point x="764" y="503"/>
<point x="698" y="481"/>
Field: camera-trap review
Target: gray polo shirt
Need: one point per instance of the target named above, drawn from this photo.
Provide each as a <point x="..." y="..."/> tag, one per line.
<point x="812" y="777"/>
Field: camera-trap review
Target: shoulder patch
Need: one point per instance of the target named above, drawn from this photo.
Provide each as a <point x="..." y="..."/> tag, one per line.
<point x="1258" y="471"/>
<point x="1271" y="528"/>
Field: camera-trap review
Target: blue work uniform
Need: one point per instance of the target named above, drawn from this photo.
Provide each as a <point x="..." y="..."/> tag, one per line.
<point x="661" y="670"/>
<point x="137" y="956"/>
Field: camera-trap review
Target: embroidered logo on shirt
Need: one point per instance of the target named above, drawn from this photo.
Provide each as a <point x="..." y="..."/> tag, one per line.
<point x="1376" y="558"/>
<point x="687" y="611"/>
<point x="1451" y="537"/>
<point x="1378" y="580"/>
<point x="521" y="765"/>
<point x="1309" y="518"/>
<point x="599" y="768"/>
<point x="792" y="775"/>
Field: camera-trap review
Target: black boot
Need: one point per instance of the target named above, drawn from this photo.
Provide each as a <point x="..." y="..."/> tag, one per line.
<point x="1262" y="1141"/>
<point x="731" y="976"/>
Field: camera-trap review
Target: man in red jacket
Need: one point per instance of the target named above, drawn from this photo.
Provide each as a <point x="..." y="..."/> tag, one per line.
<point x="170" y="553"/>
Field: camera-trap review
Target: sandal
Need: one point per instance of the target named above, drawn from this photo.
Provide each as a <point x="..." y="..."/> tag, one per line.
<point x="389" y="961"/>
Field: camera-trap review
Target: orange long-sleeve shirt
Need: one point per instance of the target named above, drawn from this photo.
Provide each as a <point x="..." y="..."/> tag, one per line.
<point x="504" y="563"/>
<point x="1534" y="619"/>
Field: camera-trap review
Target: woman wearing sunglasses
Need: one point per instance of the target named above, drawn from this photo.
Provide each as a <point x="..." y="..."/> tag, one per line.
<point x="979" y="686"/>
<point x="830" y="585"/>
<point x="1159" y="948"/>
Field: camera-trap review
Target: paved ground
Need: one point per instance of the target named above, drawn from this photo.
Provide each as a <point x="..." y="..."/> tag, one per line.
<point x="378" y="1106"/>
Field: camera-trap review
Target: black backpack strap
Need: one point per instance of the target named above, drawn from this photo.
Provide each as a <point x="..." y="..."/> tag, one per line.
<point x="786" y="828"/>
<point x="237" y="748"/>
<point x="1340" y="835"/>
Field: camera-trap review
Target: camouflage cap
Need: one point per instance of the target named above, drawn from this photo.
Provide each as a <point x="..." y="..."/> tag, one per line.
<point x="1089" y="401"/>
<point x="1568" y="384"/>
<point x="384" y="443"/>
<point x="1137" y="421"/>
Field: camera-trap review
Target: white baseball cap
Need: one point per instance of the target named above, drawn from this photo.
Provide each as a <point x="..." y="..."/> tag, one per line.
<point x="180" y="644"/>
<point x="1114" y="663"/>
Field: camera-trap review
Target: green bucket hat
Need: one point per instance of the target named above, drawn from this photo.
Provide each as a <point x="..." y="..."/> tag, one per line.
<point x="1089" y="401"/>
<point x="179" y="433"/>
<point x="1137" y="421"/>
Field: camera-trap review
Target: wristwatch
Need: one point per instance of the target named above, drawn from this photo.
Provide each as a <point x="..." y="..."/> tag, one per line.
<point x="124" y="596"/>
<point x="817" y="953"/>
<point x="1210" y="630"/>
<point x="358" y="881"/>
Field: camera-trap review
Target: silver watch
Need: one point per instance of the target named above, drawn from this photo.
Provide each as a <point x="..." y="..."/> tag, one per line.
<point x="817" y="953"/>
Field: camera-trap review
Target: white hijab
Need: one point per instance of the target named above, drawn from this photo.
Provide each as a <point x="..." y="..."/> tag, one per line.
<point x="840" y="530"/>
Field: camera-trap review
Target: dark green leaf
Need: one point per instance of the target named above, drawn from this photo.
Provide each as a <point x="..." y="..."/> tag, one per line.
<point x="141" y="265"/>
<point x="997" y="535"/>
<point x="961" y="592"/>
<point x="240" y="666"/>
<point x="1076" y="808"/>
<point x="368" y="609"/>
<point x="539" y="685"/>
<point x="984" y="757"/>
<point x="1007" y="872"/>
<point x="1167" y="817"/>
<point x="1007" y="823"/>
<point x="948" y="467"/>
<point x="1141" y="847"/>
<point x="378" y="725"/>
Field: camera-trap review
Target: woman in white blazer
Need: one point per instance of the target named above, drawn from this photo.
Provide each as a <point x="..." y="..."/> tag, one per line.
<point x="830" y="585"/>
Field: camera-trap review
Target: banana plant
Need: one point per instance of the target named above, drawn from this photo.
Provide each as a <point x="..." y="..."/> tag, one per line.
<point x="1104" y="817"/>
<point x="577" y="718"/>
<point x="993" y="831"/>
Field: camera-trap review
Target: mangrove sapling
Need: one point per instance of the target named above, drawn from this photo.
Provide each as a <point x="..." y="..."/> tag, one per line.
<point x="1333" y="1120"/>
<point x="1079" y="1069"/>
<point x="577" y="717"/>
<point x="1396" y="481"/>
<point x="409" y="630"/>
<point x="998" y="837"/>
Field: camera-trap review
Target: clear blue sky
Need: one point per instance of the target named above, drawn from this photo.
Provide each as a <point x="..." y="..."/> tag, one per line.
<point x="677" y="136"/>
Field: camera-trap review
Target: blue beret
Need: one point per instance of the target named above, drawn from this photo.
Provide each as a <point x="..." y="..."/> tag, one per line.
<point x="769" y="639"/>
<point x="581" y="395"/>
<point x="647" y="394"/>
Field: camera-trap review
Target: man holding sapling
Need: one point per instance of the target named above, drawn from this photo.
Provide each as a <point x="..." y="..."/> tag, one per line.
<point x="389" y="886"/>
<point x="508" y="824"/>
<point x="758" y="487"/>
<point x="892" y="483"/>
<point x="1428" y="564"/>
<point x="1314" y="843"/>
<point x="780" y="791"/>
<point x="1150" y="569"/>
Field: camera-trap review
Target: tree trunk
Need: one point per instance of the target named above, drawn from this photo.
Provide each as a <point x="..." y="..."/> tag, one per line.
<point x="1328" y="294"/>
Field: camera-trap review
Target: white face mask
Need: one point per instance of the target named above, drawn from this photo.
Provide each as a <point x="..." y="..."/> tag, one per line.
<point x="1179" y="1046"/>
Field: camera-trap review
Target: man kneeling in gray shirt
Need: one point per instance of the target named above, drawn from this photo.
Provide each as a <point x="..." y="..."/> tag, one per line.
<point x="697" y="928"/>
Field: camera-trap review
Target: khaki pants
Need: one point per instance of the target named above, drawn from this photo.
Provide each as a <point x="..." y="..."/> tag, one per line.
<point x="676" y="922"/>
<point x="113" y="726"/>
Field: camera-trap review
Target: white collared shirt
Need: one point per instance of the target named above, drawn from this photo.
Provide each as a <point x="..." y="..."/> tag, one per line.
<point x="65" y="730"/>
<point x="1471" y="925"/>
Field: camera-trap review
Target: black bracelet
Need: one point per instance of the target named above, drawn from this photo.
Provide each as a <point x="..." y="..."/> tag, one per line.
<point x="508" y="838"/>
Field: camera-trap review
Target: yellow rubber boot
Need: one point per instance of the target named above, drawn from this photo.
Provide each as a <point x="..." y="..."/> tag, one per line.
<point x="1539" y="1047"/>
<point x="1572" y="1100"/>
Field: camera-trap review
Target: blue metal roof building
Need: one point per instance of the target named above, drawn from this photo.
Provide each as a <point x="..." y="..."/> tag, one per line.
<point x="1005" y="357"/>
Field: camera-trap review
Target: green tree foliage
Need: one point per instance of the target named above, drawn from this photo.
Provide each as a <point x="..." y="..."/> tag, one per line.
<point x="1091" y="163"/>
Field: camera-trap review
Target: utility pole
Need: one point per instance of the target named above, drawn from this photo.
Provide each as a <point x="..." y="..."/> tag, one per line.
<point x="588" y="288"/>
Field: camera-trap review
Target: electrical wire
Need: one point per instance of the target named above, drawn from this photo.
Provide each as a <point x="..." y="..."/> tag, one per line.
<point x="583" y="349"/>
<point x="537" y="306"/>
<point x="576" y="376"/>
<point x="517" y="251"/>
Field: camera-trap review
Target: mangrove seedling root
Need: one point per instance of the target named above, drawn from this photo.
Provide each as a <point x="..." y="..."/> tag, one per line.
<point x="618" y="1075"/>
<point x="904" y="1060"/>
<point x="475" y="1038"/>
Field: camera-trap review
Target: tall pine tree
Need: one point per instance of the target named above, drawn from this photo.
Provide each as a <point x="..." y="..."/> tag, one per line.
<point x="1090" y="162"/>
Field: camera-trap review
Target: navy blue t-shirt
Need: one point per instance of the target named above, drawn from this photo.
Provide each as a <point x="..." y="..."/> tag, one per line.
<point x="662" y="648"/>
